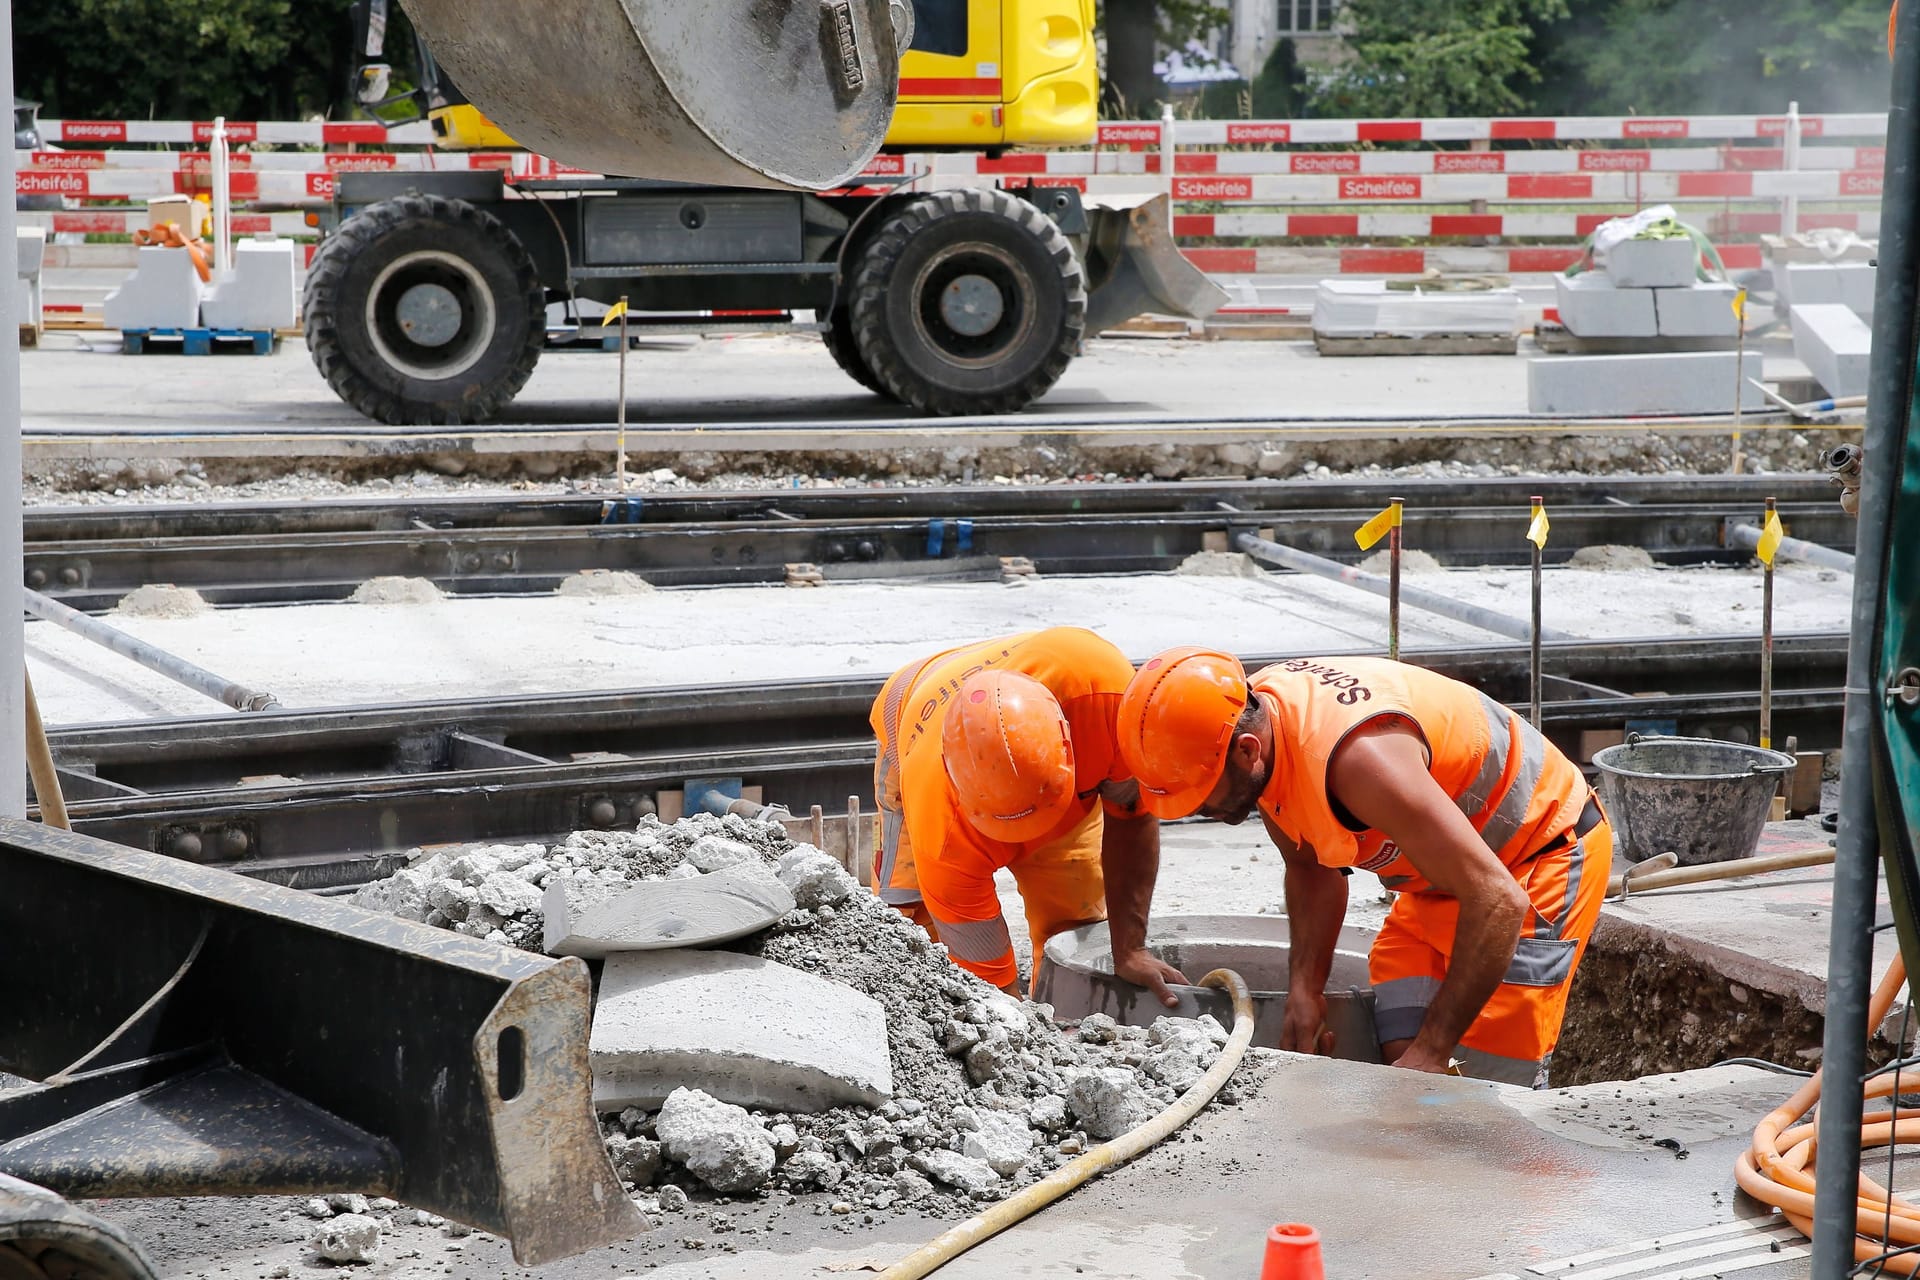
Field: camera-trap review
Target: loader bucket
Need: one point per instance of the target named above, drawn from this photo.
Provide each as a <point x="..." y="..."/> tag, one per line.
<point x="752" y="93"/>
<point x="1134" y="267"/>
<point x="198" y="1033"/>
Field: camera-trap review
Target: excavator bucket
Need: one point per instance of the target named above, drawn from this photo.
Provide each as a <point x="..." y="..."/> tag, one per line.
<point x="1134" y="267"/>
<point x="758" y="93"/>
<point x="197" y="1033"/>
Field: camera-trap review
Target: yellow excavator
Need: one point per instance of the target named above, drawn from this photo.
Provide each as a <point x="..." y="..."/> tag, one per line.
<point x="747" y="128"/>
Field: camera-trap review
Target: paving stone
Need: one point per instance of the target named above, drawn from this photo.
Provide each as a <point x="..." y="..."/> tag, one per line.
<point x="1835" y="345"/>
<point x="1652" y="264"/>
<point x="744" y="1029"/>
<point x="1702" y="310"/>
<point x="1666" y="382"/>
<point x="1847" y="284"/>
<point x="1593" y="306"/>
<point x="593" y="918"/>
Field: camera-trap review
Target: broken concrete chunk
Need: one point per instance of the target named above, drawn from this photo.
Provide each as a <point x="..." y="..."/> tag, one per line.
<point x="1049" y="1113"/>
<point x="636" y="1160"/>
<point x="594" y="918"/>
<point x="954" y="1169"/>
<point x="506" y="894"/>
<point x="351" y="1237"/>
<point x="317" y="1208"/>
<point x="1099" y="1028"/>
<point x="710" y="853"/>
<point x="813" y="1169"/>
<point x="1108" y="1101"/>
<point x="815" y="879"/>
<point x="910" y="1186"/>
<point x="347" y="1204"/>
<point x="742" y="1028"/>
<point x="719" y="1143"/>
<point x="672" y="1199"/>
<point x="1001" y="1139"/>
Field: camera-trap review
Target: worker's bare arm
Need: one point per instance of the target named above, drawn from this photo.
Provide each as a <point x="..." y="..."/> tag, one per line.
<point x="1380" y="774"/>
<point x="1316" y="908"/>
<point x="1130" y="863"/>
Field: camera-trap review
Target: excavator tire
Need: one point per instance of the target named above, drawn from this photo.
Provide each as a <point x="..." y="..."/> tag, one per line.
<point x="424" y="311"/>
<point x="846" y="352"/>
<point x="968" y="301"/>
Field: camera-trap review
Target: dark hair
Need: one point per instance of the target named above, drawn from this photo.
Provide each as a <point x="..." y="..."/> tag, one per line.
<point x="1251" y="715"/>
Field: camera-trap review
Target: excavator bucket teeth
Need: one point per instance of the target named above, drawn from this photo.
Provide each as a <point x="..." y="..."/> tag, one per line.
<point x="195" y="1032"/>
<point x="1134" y="267"/>
<point x="797" y="93"/>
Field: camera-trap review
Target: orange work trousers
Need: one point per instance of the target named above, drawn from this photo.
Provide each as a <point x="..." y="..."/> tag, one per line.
<point x="1512" y="1040"/>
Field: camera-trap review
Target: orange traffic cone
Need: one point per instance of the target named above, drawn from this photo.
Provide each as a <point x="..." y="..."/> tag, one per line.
<point x="1293" y="1253"/>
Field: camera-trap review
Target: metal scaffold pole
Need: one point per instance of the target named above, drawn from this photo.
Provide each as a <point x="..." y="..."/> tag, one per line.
<point x="13" y="638"/>
<point x="1856" y="867"/>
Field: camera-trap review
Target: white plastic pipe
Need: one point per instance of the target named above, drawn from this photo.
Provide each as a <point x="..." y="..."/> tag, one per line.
<point x="222" y="204"/>
<point x="1166" y="145"/>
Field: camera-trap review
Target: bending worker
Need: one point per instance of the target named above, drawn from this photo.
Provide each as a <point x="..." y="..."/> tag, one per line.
<point x="1490" y="837"/>
<point x="1002" y="754"/>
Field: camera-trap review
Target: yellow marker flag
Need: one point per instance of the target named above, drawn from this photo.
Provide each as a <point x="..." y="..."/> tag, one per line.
<point x="1537" y="531"/>
<point x="1740" y="306"/>
<point x="614" y="313"/>
<point x="1375" y="529"/>
<point x="1770" y="537"/>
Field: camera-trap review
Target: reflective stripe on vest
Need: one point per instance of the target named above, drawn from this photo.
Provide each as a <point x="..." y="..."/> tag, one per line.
<point x="886" y="782"/>
<point x="977" y="941"/>
<point x="1503" y="823"/>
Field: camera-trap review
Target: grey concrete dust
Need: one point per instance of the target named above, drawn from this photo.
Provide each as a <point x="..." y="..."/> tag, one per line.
<point x="1610" y="557"/>
<point x="604" y="582"/>
<point x="386" y="591"/>
<point x="162" y="600"/>
<point x="1412" y="561"/>
<point x="1220" y="564"/>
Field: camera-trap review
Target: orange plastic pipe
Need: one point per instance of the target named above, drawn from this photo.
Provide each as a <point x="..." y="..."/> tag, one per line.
<point x="1778" y="1168"/>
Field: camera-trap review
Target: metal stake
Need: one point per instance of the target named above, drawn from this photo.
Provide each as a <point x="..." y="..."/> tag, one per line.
<point x="1766" y="649"/>
<point x="620" y="447"/>
<point x="1533" y="637"/>
<point x="1393" y="581"/>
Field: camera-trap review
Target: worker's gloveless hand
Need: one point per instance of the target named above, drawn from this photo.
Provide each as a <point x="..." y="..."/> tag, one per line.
<point x="1419" y="1059"/>
<point x="1303" y="1023"/>
<point x="1144" y="969"/>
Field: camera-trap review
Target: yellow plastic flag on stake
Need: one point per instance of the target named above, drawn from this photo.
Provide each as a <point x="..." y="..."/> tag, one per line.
<point x="1375" y="529"/>
<point x="1770" y="537"/>
<point x="614" y="313"/>
<point x="1740" y="306"/>
<point x="1537" y="531"/>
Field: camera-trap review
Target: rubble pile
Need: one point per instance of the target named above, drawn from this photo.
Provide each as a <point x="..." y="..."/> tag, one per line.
<point x="988" y="1093"/>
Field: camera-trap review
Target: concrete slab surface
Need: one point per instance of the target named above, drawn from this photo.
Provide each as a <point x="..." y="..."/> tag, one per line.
<point x="341" y="654"/>
<point x="1404" y="1175"/>
<point x="592" y="918"/>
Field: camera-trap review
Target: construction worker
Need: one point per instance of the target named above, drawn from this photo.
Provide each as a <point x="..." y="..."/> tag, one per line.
<point x="1001" y="754"/>
<point x="1491" y="839"/>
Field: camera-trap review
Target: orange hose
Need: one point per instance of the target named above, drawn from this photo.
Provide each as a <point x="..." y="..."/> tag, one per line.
<point x="169" y="236"/>
<point x="1778" y="1168"/>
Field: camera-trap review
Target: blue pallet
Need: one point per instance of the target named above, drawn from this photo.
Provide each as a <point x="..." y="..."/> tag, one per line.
<point x="199" y="342"/>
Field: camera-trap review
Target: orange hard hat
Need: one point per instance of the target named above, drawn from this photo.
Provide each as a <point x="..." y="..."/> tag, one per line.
<point x="1176" y="722"/>
<point x="1009" y="756"/>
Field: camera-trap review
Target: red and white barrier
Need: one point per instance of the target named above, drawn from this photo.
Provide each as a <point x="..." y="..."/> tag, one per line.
<point x="1299" y="133"/>
<point x="301" y="133"/>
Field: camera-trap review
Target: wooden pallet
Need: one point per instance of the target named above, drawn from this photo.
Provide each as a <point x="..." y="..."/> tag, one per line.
<point x="29" y="335"/>
<point x="1432" y="344"/>
<point x="1555" y="340"/>
<point x="200" y="342"/>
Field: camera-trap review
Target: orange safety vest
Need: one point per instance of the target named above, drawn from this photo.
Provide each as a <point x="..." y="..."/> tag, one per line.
<point x="1516" y="788"/>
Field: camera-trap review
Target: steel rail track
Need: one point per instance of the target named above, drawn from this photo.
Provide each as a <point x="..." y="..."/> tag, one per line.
<point x="315" y="551"/>
<point x="330" y="797"/>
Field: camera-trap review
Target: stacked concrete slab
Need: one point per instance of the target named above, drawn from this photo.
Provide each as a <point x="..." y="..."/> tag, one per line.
<point x="1646" y="289"/>
<point x="1836" y="346"/>
<point x="1648" y="384"/>
<point x="1846" y="284"/>
<point x="1369" y="309"/>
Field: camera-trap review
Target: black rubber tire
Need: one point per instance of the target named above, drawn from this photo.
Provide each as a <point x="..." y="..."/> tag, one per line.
<point x="846" y="352"/>
<point x="936" y="239"/>
<point x="490" y="357"/>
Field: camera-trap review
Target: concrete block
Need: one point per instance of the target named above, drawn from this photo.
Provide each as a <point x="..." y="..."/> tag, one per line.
<point x="1702" y="310"/>
<point x="743" y="1029"/>
<point x="162" y="293"/>
<point x="1667" y="382"/>
<point x="1856" y="287"/>
<point x="260" y="294"/>
<point x="1652" y="264"/>
<point x="1835" y="345"/>
<point x="592" y="918"/>
<point x="1592" y="306"/>
<point x="1804" y="283"/>
<point x="1367" y="308"/>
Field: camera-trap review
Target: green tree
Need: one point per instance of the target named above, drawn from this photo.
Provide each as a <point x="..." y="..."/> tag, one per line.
<point x="1280" y="90"/>
<point x="1734" y="56"/>
<point x="182" y="59"/>
<point x="1438" y="57"/>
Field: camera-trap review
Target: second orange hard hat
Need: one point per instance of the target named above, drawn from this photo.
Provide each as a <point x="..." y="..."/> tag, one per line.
<point x="1009" y="756"/>
<point x="1176" y="723"/>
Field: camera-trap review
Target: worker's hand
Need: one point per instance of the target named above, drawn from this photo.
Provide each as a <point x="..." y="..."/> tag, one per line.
<point x="1418" y="1058"/>
<point x="1303" y="1024"/>
<point x="1144" y="969"/>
